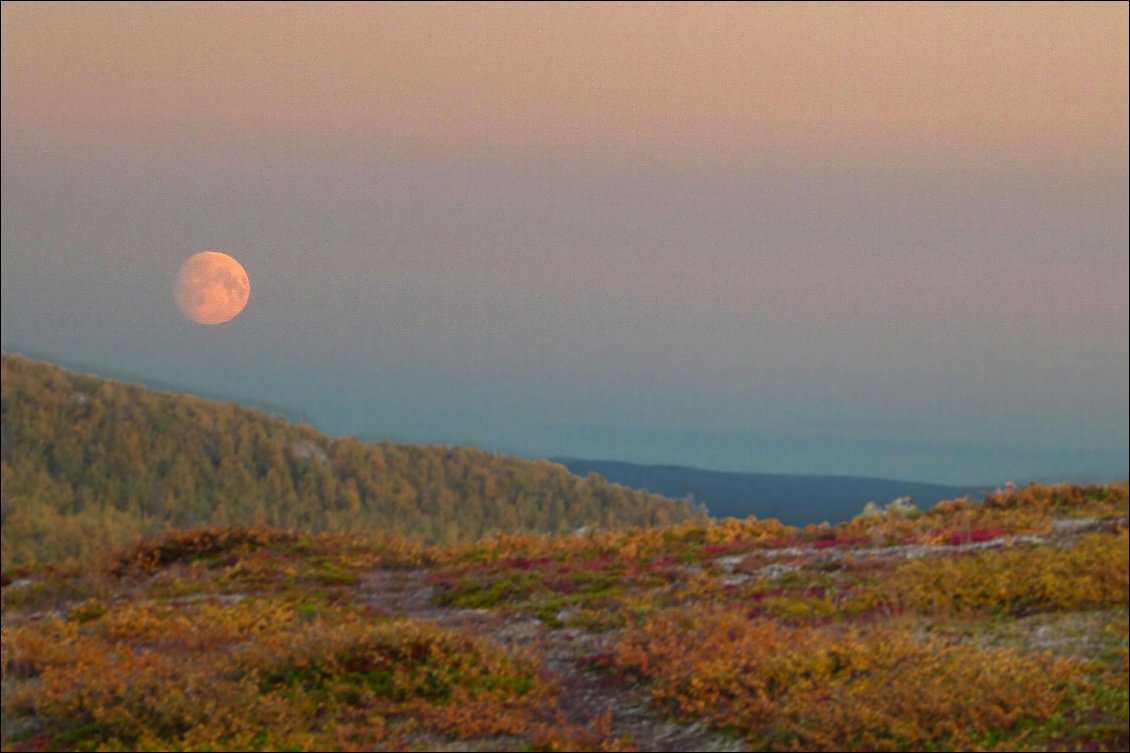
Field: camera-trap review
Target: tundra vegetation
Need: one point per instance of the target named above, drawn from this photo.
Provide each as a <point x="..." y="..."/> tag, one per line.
<point x="994" y="625"/>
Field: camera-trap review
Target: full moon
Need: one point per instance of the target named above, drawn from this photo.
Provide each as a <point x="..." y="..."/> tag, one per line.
<point x="211" y="288"/>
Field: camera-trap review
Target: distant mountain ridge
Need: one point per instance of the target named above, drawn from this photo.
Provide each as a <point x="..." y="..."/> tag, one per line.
<point x="792" y="499"/>
<point x="88" y="463"/>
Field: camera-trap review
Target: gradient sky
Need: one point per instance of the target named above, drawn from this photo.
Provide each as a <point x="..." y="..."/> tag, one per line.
<point x="875" y="240"/>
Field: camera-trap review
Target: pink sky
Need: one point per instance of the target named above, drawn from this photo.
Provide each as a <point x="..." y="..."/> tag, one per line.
<point x="1024" y="83"/>
<point x="879" y="239"/>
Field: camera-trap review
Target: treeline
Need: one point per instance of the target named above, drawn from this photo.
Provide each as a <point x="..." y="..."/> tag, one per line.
<point x="89" y="463"/>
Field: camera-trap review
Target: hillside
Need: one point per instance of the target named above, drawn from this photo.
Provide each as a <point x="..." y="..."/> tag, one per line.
<point x="995" y="626"/>
<point x="793" y="499"/>
<point x="88" y="462"/>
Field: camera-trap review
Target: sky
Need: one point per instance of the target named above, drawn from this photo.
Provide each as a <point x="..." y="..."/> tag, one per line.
<point x="883" y="240"/>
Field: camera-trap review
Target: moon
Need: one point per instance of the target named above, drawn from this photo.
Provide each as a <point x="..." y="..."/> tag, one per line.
<point x="211" y="288"/>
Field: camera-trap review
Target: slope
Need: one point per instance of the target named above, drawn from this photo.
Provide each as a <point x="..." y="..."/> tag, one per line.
<point x="994" y="626"/>
<point x="88" y="462"/>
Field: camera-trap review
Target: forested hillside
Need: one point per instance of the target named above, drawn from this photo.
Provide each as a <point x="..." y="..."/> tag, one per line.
<point x="89" y="462"/>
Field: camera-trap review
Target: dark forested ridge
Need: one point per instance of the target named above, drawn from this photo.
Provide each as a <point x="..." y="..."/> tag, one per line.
<point x="90" y="463"/>
<point x="792" y="499"/>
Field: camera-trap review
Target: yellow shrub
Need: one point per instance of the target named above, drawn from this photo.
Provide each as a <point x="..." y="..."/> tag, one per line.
<point x="824" y="688"/>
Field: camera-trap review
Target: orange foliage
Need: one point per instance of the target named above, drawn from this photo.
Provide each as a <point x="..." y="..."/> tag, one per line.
<point x="820" y="638"/>
<point x="1095" y="572"/>
<point x="820" y="688"/>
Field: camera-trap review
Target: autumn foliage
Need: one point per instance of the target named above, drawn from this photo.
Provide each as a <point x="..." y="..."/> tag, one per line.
<point x="89" y="463"/>
<point x="814" y="687"/>
<point x="996" y="626"/>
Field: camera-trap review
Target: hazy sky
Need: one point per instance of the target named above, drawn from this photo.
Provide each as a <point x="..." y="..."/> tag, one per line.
<point x="876" y="240"/>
